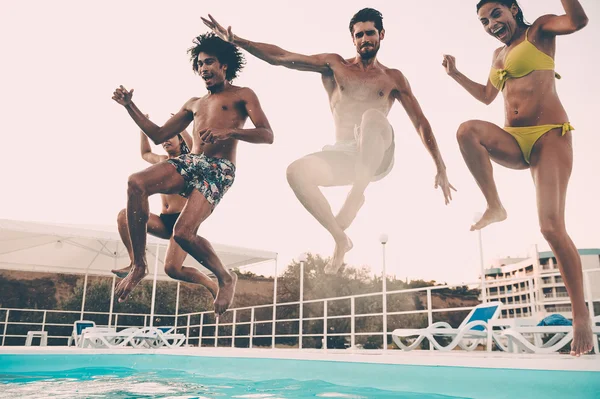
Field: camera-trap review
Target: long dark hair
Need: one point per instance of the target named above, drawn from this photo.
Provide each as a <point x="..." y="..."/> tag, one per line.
<point x="183" y="147"/>
<point x="508" y="4"/>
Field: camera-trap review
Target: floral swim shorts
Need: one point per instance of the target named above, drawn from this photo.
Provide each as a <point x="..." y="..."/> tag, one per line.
<point x="211" y="176"/>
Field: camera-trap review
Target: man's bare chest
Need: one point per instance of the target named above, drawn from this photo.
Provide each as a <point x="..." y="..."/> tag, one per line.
<point x="362" y="86"/>
<point x="225" y="107"/>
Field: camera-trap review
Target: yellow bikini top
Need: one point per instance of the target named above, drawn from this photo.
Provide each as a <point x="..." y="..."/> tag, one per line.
<point x="523" y="59"/>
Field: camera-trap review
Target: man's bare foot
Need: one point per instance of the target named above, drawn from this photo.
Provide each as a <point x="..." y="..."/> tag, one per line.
<point x="583" y="338"/>
<point x="349" y="210"/>
<point x="225" y="295"/>
<point x="127" y="285"/>
<point x="213" y="289"/>
<point x="338" y="255"/>
<point x="491" y="215"/>
<point x="121" y="273"/>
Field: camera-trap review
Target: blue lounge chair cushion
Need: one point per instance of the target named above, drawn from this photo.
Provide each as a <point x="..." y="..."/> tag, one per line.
<point x="482" y="314"/>
<point x="82" y="326"/>
<point x="555" y="320"/>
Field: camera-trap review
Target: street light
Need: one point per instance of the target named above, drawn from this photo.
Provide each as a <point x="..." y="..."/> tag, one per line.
<point x="383" y="239"/>
<point x="476" y="218"/>
<point x="302" y="258"/>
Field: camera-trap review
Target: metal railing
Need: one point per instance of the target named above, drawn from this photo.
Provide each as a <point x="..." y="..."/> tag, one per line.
<point x="41" y="321"/>
<point x="261" y="322"/>
<point x="325" y="318"/>
<point x="257" y="324"/>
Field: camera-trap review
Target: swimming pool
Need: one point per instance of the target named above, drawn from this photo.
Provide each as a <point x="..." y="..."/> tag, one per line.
<point x="177" y="374"/>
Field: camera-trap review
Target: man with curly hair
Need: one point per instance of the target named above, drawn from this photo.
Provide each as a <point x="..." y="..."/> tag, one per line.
<point x="202" y="176"/>
<point x="161" y="225"/>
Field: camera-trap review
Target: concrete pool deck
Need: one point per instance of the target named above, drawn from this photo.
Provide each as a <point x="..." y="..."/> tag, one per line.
<point x="478" y="359"/>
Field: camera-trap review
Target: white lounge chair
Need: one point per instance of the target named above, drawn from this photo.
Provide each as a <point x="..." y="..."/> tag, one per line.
<point x="78" y="328"/>
<point x="146" y="337"/>
<point x="472" y="331"/>
<point x="111" y="338"/>
<point x="561" y="336"/>
<point x="163" y="336"/>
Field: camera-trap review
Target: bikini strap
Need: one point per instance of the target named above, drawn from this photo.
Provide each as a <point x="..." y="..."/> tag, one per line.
<point x="526" y="32"/>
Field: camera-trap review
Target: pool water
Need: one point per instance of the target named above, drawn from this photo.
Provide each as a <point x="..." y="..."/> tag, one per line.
<point x="127" y="383"/>
<point x="178" y="376"/>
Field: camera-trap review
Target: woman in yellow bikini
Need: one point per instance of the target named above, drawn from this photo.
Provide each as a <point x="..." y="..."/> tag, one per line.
<point x="536" y="133"/>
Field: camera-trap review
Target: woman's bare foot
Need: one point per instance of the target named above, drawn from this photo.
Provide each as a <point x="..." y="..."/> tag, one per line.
<point x="583" y="337"/>
<point x="341" y="247"/>
<point x="225" y="295"/>
<point x="121" y="273"/>
<point x="491" y="215"/>
<point x="349" y="210"/>
<point x="127" y="285"/>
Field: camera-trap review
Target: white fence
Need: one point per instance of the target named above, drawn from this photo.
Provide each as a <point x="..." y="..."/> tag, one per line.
<point x="260" y="325"/>
<point x="246" y="326"/>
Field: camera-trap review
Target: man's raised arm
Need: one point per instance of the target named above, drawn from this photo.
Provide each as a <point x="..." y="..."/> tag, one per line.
<point x="275" y="55"/>
<point x="158" y="134"/>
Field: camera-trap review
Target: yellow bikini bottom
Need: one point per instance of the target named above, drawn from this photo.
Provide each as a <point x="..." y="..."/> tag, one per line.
<point x="527" y="136"/>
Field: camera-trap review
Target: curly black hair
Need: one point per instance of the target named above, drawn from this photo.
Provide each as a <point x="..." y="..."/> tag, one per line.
<point x="225" y="52"/>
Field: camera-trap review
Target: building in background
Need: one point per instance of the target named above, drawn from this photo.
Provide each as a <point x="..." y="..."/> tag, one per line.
<point x="533" y="287"/>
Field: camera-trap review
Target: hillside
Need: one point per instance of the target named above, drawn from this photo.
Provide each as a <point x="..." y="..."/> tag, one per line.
<point x="28" y="290"/>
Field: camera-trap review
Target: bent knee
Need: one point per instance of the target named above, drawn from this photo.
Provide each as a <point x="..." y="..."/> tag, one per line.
<point x="182" y="236"/>
<point x="375" y="121"/>
<point x="298" y="171"/>
<point x="308" y="171"/>
<point x="321" y="169"/>
<point x="136" y="184"/>
<point x="375" y="124"/>
<point x="468" y="131"/>
<point x="172" y="270"/>
<point x="183" y="233"/>
<point x="374" y="116"/>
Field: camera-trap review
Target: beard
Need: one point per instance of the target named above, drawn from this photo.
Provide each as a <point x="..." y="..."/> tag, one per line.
<point x="368" y="52"/>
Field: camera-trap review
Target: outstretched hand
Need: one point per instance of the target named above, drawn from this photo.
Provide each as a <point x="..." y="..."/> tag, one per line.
<point x="450" y="64"/>
<point x="122" y="96"/>
<point x="217" y="29"/>
<point x="441" y="180"/>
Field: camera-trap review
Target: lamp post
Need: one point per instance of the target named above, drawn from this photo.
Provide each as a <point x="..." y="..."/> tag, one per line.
<point x="476" y="218"/>
<point x="383" y="239"/>
<point x="154" y="279"/>
<point x="273" y="326"/>
<point x="302" y="258"/>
